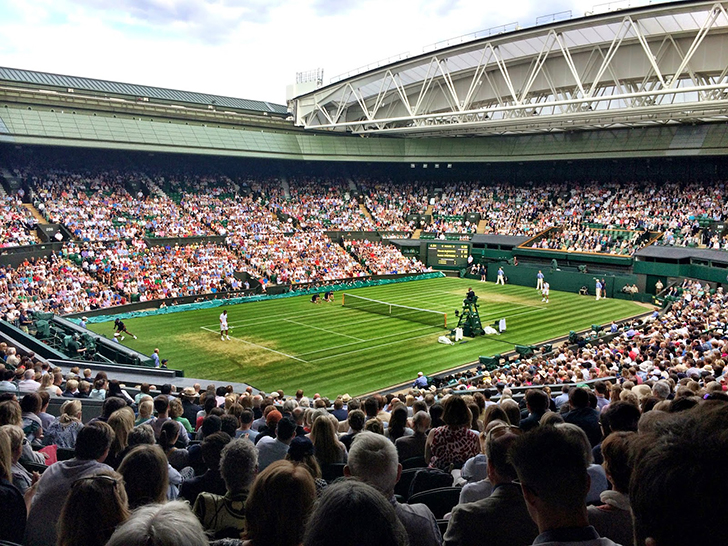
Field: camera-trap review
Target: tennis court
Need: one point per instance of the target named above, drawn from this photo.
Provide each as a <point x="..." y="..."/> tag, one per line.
<point x="292" y="343"/>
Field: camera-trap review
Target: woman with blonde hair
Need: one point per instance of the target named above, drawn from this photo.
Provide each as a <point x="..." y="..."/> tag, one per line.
<point x="12" y="524"/>
<point x="278" y="505"/>
<point x="328" y="448"/>
<point x="11" y="414"/>
<point x="21" y="478"/>
<point x="122" y="421"/>
<point x="46" y="384"/>
<point x="64" y="429"/>
<point x="146" y="408"/>
<point x="93" y="509"/>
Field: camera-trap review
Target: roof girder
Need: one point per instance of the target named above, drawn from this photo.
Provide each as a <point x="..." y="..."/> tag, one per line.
<point x="632" y="67"/>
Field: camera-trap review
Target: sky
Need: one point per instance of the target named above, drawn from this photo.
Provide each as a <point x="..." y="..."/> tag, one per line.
<point x="246" y="48"/>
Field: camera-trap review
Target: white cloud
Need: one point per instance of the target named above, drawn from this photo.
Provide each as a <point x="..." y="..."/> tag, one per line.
<point x="243" y="48"/>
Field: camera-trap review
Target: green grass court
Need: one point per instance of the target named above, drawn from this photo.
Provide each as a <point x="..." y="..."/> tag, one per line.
<point x="291" y="343"/>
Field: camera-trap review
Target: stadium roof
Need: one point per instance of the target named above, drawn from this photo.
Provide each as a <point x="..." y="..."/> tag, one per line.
<point x="139" y="92"/>
<point x="658" y="64"/>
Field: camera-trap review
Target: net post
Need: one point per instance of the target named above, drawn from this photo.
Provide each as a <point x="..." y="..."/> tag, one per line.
<point x="343" y="297"/>
<point x="445" y="320"/>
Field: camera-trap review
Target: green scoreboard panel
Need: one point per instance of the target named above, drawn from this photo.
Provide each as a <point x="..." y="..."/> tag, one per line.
<point x="448" y="254"/>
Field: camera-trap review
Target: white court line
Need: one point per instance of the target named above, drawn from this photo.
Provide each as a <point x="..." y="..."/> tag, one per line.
<point x="322" y="329"/>
<point x="255" y="321"/>
<point x="259" y="346"/>
<point x="368" y="348"/>
<point x="366" y="341"/>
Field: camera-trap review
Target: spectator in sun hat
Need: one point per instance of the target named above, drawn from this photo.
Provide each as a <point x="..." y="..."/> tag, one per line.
<point x="189" y="407"/>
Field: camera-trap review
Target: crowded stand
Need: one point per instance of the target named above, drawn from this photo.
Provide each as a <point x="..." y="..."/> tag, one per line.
<point x="578" y="237"/>
<point x="321" y="204"/>
<point x="53" y="285"/>
<point x="16" y="223"/>
<point x="383" y="259"/>
<point x="390" y="203"/>
<point x="141" y="273"/>
<point x="629" y="419"/>
<point x="220" y="204"/>
<point x="97" y="206"/>
<point x="296" y="258"/>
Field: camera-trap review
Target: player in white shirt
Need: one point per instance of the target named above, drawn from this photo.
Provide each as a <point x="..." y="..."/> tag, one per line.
<point x="545" y="292"/>
<point x="224" y="326"/>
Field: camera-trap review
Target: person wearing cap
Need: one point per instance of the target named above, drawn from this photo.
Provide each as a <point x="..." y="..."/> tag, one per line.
<point x="301" y="452"/>
<point x="84" y="321"/>
<point x="421" y="381"/>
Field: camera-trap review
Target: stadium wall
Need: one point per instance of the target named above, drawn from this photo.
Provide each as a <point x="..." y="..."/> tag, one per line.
<point x="101" y="130"/>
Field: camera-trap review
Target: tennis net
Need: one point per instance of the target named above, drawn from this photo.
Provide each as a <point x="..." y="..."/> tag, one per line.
<point x="423" y="316"/>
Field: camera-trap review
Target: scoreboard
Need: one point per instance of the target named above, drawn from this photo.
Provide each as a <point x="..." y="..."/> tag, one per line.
<point x="447" y="254"/>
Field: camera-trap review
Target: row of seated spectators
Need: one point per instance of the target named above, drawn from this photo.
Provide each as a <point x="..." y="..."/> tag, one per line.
<point x="140" y="273"/>
<point x="95" y="275"/>
<point x="16" y="223"/>
<point x="297" y="258"/>
<point x="383" y="259"/>
<point x="263" y="467"/>
<point x="96" y="205"/>
<point x="390" y="203"/>
<point x="319" y="204"/>
<point x="55" y="285"/>
<point x="228" y="207"/>
<point x="579" y="237"/>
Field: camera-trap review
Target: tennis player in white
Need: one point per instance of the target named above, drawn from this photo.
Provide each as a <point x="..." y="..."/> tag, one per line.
<point x="224" y="326"/>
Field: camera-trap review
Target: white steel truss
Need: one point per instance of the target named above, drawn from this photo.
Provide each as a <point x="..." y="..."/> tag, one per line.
<point x="666" y="63"/>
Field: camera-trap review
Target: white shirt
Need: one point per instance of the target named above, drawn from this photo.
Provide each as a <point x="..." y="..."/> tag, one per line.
<point x="223" y="321"/>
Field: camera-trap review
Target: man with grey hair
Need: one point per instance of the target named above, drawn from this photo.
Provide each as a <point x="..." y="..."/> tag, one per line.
<point x="661" y="390"/>
<point x="168" y="524"/>
<point x="373" y="460"/>
<point x="28" y="383"/>
<point x="414" y="444"/>
<point x="224" y="516"/>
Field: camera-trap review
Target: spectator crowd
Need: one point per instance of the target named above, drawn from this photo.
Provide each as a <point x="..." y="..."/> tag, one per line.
<point x="102" y="205"/>
<point x="598" y="451"/>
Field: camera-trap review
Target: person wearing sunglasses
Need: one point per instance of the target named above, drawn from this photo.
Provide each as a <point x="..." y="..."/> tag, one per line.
<point x="94" y="507"/>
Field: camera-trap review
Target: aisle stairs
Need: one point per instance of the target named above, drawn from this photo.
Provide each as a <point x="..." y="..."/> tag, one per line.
<point x="365" y="211"/>
<point x="36" y="214"/>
